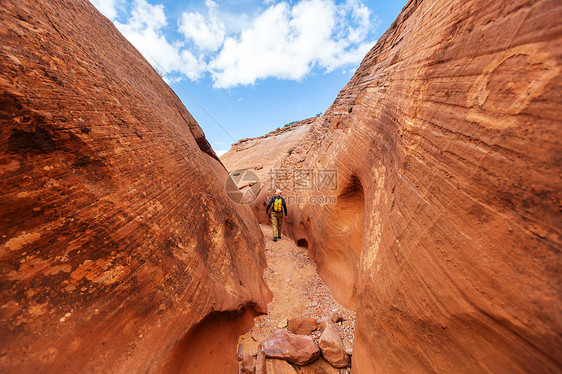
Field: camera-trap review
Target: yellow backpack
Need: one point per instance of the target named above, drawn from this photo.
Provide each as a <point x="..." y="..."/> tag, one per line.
<point x="278" y="205"/>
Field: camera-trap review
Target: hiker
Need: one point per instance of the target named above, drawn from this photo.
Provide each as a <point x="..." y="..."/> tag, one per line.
<point x="279" y="206"/>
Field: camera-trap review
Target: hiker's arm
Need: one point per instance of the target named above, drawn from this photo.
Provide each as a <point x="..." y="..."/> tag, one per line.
<point x="268" y="206"/>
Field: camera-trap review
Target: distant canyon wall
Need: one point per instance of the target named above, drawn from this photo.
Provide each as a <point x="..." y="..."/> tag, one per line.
<point x="118" y="246"/>
<point x="262" y="156"/>
<point x="446" y="234"/>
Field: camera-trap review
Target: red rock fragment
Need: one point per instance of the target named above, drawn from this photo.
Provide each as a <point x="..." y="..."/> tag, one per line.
<point x="240" y="354"/>
<point x="320" y="366"/>
<point x="337" y="317"/>
<point x="323" y="323"/>
<point x="260" y="363"/>
<point x="275" y="366"/>
<point x="297" y="349"/>
<point x="248" y="364"/>
<point x="331" y="344"/>
<point x="302" y="325"/>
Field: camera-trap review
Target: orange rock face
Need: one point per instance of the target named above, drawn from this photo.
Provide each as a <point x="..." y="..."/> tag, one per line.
<point x="446" y="232"/>
<point x="119" y="250"/>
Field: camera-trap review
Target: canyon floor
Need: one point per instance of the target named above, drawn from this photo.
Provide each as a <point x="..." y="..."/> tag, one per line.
<point x="298" y="292"/>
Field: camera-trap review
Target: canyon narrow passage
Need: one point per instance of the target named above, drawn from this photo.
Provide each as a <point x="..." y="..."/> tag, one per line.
<point x="298" y="292"/>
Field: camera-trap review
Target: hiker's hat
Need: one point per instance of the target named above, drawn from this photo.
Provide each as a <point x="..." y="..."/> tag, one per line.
<point x="278" y="191"/>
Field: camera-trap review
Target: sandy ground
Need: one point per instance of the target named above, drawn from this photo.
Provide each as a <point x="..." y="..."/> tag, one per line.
<point x="298" y="291"/>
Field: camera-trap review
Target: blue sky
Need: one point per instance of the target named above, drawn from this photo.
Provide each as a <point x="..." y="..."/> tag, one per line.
<point x="245" y="67"/>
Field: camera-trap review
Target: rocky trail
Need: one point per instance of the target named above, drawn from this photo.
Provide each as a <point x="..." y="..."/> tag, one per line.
<point x="298" y="292"/>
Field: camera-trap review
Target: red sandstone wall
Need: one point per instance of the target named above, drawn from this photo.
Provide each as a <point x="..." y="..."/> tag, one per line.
<point x="446" y="233"/>
<point x="116" y="238"/>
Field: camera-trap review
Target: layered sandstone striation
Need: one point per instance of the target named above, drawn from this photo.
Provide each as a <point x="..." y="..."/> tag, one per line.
<point x="119" y="251"/>
<point x="446" y="232"/>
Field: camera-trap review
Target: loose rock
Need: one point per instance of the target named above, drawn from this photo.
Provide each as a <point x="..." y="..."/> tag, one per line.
<point x="248" y="364"/>
<point x="297" y="349"/>
<point x="240" y="354"/>
<point x="320" y="366"/>
<point x="275" y="366"/>
<point x="331" y="344"/>
<point x="260" y="363"/>
<point x="302" y="325"/>
<point x="337" y="317"/>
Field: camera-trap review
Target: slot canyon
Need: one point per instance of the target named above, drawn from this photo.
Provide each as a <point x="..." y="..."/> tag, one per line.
<point x="424" y="205"/>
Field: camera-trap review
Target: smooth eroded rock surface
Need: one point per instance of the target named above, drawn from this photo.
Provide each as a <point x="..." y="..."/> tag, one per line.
<point x="117" y="242"/>
<point x="446" y="233"/>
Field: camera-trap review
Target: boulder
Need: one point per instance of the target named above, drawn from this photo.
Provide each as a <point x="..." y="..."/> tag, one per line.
<point x="275" y="366"/>
<point x="248" y="364"/>
<point x="331" y="344"/>
<point x="260" y="363"/>
<point x="320" y="366"/>
<point x="324" y="321"/>
<point x="298" y="349"/>
<point x="302" y="325"/>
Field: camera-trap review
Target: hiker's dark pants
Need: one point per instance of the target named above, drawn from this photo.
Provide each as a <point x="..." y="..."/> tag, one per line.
<point x="276" y="221"/>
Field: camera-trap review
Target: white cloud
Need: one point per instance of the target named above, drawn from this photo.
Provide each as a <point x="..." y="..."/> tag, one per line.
<point x="107" y="7"/>
<point x="288" y="42"/>
<point x="207" y="33"/>
<point x="144" y="30"/>
<point x="221" y="152"/>
<point x="285" y="40"/>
